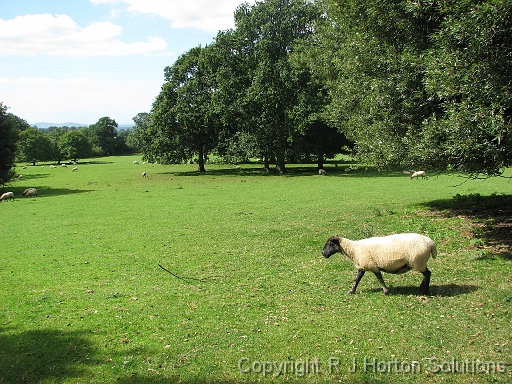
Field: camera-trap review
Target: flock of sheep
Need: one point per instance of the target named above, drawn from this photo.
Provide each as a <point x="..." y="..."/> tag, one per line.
<point x="30" y="192"/>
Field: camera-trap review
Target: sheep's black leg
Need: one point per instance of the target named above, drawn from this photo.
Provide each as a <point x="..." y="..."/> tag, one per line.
<point x="424" y="286"/>
<point x="381" y="281"/>
<point x="359" y="275"/>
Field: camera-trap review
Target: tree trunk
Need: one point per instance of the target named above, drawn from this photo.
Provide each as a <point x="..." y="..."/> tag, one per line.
<point x="201" y="159"/>
<point x="320" y="160"/>
<point x="266" y="167"/>
<point x="280" y="165"/>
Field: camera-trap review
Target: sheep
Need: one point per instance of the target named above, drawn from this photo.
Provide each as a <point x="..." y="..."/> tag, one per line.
<point x="393" y="254"/>
<point x="74" y="169"/>
<point x="30" y="192"/>
<point x="417" y="174"/>
<point x="7" y="196"/>
<point x="135" y="162"/>
<point x="53" y="166"/>
<point x="64" y="165"/>
<point x="144" y="174"/>
<point x="322" y="172"/>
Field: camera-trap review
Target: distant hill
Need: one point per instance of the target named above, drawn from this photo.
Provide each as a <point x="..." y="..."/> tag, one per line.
<point x="45" y="125"/>
<point x="48" y="125"/>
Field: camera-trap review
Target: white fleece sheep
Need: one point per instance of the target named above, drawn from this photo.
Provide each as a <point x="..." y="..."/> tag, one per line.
<point x="7" y="196"/>
<point x="322" y="172"/>
<point x="417" y="174"/>
<point x="144" y="174"/>
<point x="30" y="192"/>
<point x="74" y="169"/>
<point x="135" y="162"/>
<point x="393" y="254"/>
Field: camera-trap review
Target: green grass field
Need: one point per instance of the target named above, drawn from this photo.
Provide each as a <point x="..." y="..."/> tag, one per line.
<point x="246" y="295"/>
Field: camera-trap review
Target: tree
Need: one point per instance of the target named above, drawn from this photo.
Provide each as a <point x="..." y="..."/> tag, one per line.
<point x="183" y="114"/>
<point x="420" y="84"/>
<point x="103" y="134"/>
<point x="267" y="33"/>
<point x="134" y="138"/>
<point x="469" y="70"/>
<point x="34" y="146"/>
<point x="8" y="138"/>
<point x="372" y="55"/>
<point x="320" y="141"/>
<point x="55" y="133"/>
<point x="74" y="145"/>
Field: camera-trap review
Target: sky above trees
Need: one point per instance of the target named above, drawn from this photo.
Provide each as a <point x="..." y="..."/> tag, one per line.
<point x="77" y="61"/>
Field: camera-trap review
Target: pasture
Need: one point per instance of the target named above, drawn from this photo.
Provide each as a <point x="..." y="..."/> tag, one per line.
<point x="182" y="277"/>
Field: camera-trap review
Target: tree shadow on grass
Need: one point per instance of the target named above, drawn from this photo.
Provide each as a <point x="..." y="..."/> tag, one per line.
<point x="248" y="170"/>
<point x="42" y="355"/>
<point x="446" y="290"/>
<point x="491" y="218"/>
<point x="45" y="192"/>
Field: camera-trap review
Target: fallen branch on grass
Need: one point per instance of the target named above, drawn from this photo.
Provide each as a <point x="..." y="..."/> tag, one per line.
<point x="202" y="279"/>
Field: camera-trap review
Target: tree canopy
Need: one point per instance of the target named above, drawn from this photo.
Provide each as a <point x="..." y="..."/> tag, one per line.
<point x="421" y="84"/>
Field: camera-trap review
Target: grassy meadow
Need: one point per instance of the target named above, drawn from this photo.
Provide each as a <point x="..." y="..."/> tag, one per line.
<point x="183" y="277"/>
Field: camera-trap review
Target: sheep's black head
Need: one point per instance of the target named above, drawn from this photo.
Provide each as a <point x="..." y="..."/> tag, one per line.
<point x="332" y="246"/>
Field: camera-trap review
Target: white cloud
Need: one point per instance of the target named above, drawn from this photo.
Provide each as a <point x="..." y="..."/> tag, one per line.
<point x="80" y="100"/>
<point x="206" y="15"/>
<point x="59" y="35"/>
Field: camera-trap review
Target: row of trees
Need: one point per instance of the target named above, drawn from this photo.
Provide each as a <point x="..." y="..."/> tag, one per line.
<point x="412" y="83"/>
<point x="21" y="142"/>
<point x="246" y="95"/>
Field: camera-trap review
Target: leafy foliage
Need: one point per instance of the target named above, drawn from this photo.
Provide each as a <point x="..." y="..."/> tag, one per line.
<point x="421" y="84"/>
<point x="34" y="146"/>
<point x="183" y="114"/>
<point x="74" y="145"/>
<point x="8" y="138"/>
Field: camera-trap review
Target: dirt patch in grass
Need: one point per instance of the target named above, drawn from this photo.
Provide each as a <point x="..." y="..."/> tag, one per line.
<point x="489" y="220"/>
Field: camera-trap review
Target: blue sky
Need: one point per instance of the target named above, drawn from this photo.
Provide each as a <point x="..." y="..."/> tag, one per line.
<point x="77" y="61"/>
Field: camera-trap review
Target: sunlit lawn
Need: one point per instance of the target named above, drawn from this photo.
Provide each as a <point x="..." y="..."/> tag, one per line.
<point x="83" y="298"/>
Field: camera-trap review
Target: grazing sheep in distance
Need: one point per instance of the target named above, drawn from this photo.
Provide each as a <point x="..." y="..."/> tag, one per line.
<point x="322" y="172"/>
<point x="144" y="174"/>
<point x="417" y="174"/>
<point x="74" y="169"/>
<point x="64" y="165"/>
<point x="393" y="254"/>
<point x="53" y="166"/>
<point x="7" y="196"/>
<point x="30" y="192"/>
<point x="135" y="162"/>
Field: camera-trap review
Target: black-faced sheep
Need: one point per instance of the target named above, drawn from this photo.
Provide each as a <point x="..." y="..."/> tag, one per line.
<point x="7" y="196"/>
<point x="417" y="174"/>
<point x="393" y="254"/>
<point x="30" y="192"/>
<point x="144" y="174"/>
<point x="74" y="169"/>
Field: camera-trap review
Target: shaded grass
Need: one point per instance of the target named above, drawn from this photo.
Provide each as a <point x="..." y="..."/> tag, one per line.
<point x="81" y="279"/>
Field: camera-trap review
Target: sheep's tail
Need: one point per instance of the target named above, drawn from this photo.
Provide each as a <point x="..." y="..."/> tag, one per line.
<point x="433" y="250"/>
